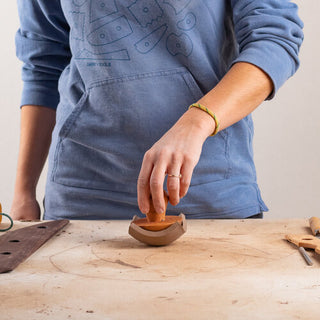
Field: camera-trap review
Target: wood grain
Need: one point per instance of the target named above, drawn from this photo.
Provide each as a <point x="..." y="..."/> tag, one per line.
<point x="219" y="269"/>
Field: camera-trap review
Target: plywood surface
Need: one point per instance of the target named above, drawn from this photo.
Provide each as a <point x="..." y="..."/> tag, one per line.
<point x="236" y="269"/>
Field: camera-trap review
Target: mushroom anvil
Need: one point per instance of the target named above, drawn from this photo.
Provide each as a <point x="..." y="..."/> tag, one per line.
<point x="158" y="229"/>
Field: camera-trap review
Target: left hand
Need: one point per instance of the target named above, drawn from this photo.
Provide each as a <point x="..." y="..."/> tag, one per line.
<point x="177" y="152"/>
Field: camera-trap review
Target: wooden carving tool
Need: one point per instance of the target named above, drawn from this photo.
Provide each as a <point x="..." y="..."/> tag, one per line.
<point x="305" y="241"/>
<point x="158" y="229"/>
<point x="315" y="226"/>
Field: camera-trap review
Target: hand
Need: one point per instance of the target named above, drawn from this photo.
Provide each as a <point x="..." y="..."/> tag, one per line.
<point x="177" y="152"/>
<point x="25" y="208"/>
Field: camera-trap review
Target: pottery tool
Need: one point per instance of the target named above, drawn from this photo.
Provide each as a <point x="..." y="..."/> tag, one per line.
<point x="307" y="241"/>
<point x="315" y="226"/>
<point x="305" y="255"/>
<point x="8" y="217"/>
<point x="17" y="245"/>
<point x="158" y="229"/>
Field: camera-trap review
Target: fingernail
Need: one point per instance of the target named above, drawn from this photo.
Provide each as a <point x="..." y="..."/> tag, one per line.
<point x="144" y="210"/>
<point x="160" y="210"/>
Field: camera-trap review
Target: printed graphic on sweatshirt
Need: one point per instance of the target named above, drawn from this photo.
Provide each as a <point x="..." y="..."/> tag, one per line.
<point x="177" y="5"/>
<point x="188" y="22"/>
<point x="149" y="22"/>
<point x="146" y="11"/>
<point x="113" y="55"/>
<point x="79" y="3"/>
<point x="179" y="44"/>
<point x="110" y="32"/>
<point x="147" y="43"/>
<point x="102" y="8"/>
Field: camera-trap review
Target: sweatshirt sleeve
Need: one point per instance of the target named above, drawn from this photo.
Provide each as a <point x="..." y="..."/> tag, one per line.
<point x="42" y="44"/>
<point x="269" y="34"/>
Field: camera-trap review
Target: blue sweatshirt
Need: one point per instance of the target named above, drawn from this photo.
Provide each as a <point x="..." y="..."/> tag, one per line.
<point x="121" y="72"/>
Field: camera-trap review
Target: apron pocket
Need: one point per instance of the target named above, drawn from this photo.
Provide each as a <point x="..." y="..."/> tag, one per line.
<point x="102" y="143"/>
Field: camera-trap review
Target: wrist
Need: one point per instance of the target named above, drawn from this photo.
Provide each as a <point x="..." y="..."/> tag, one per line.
<point x="25" y="191"/>
<point x="201" y="122"/>
<point x="210" y="113"/>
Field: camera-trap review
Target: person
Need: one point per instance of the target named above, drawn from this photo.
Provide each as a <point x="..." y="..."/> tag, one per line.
<point x="108" y="85"/>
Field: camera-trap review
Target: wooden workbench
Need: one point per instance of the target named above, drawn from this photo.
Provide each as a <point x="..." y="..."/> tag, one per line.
<point x="219" y="269"/>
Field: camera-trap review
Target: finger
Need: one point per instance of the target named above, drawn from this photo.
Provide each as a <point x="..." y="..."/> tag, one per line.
<point x="173" y="181"/>
<point x="156" y="186"/>
<point x="143" y="184"/>
<point x="186" y="175"/>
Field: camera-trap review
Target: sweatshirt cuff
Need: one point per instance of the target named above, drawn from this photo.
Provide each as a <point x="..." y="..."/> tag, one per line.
<point x="40" y="93"/>
<point x="273" y="59"/>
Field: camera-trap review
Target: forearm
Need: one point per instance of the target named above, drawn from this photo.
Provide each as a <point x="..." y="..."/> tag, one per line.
<point x="242" y="89"/>
<point x="239" y="93"/>
<point x="35" y="136"/>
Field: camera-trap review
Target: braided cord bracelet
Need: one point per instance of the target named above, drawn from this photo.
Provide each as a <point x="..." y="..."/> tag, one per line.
<point x="205" y="109"/>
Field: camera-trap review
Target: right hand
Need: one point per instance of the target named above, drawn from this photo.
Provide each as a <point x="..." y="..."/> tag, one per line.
<point x="25" y="208"/>
<point x="176" y="153"/>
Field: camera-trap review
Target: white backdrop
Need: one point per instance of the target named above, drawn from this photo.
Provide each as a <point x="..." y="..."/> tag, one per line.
<point x="287" y="129"/>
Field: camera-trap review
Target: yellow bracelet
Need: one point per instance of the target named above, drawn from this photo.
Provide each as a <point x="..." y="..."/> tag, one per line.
<point x="205" y="109"/>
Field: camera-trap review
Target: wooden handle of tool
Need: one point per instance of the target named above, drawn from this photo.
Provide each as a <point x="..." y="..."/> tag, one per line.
<point x="153" y="216"/>
<point x="305" y="241"/>
<point x="315" y="225"/>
